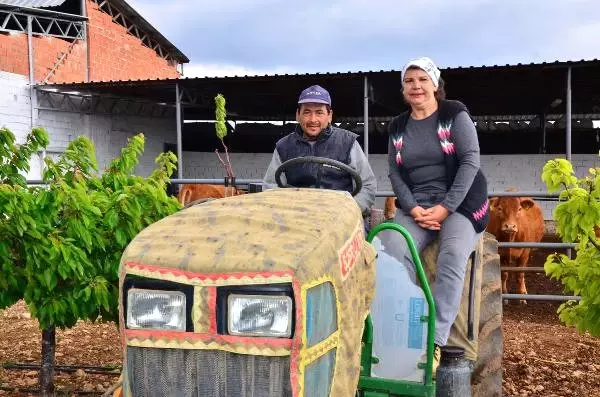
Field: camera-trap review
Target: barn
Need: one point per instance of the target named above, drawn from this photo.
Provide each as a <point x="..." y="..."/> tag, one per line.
<point x="521" y="112"/>
<point x="56" y="41"/>
<point x="96" y="67"/>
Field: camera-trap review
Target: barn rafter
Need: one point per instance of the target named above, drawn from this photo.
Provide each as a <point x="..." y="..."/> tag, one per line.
<point x="126" y="16"/>
<point x="70" y="27"/>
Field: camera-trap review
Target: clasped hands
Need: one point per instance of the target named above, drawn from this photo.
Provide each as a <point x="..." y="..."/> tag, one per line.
<point x="430" y="218"/>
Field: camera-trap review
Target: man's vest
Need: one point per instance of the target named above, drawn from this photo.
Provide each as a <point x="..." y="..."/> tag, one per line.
<point x="334" y="143"/>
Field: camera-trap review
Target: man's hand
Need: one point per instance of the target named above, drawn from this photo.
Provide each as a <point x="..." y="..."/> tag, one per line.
<point x="433" y="217"/>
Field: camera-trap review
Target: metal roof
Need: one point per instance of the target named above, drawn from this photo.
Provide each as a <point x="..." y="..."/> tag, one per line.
<point x="487" y="90"/>
<point x="33" y="3"/>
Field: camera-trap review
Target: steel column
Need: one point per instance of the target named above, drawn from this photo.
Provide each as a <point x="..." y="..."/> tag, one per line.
<point x="568" y="115"/>
<point x="366" y="116"/>
<point x="86" y="39"/>
<point x="179" y="139"/>
<point x="32" y="94"/>
<point x="543" y="127"/>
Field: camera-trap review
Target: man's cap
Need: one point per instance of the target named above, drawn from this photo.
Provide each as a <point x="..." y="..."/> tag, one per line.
<point x="315" y="94"/>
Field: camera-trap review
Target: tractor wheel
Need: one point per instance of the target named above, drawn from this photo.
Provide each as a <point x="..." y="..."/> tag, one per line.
<point x="486" y="378"/>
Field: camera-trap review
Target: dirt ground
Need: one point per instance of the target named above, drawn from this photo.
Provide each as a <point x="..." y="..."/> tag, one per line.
<point x="542" y="357"/>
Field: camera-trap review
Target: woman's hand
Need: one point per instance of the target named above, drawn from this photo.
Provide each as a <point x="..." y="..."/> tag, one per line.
<point x="432" y="217"/>
<point x="418" y="213"/>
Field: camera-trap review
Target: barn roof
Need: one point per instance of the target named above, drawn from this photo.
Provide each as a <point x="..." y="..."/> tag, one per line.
<point x="518" y="89"/>
<point x="33" y="3"/>
<point x="137" y="19"/>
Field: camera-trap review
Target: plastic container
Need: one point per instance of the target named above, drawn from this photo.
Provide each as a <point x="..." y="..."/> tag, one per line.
<point x="453" y="376"/>
<point x="399" y="335"/>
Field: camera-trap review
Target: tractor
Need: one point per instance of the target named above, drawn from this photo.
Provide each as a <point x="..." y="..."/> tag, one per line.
<point x="268" y="294"/>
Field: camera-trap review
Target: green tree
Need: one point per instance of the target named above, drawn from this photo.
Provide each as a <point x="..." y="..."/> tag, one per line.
<point x="221" y="132"/>
<point x="62" y="241"/>
<point x="577" y="218"/>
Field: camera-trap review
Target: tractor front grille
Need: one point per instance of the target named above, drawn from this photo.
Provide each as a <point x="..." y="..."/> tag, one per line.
<point x="206" y="373"/>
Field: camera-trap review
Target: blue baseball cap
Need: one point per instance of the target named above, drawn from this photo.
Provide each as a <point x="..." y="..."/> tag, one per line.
<point x="315" y="94"/>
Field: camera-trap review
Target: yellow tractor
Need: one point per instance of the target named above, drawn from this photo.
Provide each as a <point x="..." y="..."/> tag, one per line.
<point x="268" y="295"/>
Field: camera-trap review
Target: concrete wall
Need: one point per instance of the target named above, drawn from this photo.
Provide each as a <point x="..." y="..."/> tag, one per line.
<point x="502" y="171"/>
<point x="15" y="110"/>
<point x="109" y="133"/>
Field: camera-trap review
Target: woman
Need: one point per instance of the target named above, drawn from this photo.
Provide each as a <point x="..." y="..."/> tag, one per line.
<point x="441" y="192"/>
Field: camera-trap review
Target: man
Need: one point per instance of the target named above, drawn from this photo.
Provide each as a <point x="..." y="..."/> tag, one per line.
<point x="315" y="136"/>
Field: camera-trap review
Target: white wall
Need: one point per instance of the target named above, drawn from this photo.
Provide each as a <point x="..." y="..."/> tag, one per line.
<point x="15" y="111"/>
<point x="522" y="171"/>
<point x="109" y="133"/>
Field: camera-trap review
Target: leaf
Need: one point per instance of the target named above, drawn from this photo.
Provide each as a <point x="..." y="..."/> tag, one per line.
<point x="220" y="114"/>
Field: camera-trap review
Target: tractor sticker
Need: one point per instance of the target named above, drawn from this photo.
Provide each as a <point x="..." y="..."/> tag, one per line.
<point x="349" y="252"/>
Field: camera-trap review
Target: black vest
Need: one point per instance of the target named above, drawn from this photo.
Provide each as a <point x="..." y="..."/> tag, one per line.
<point x="334" y="143"/>
<point x="475" y="206"/>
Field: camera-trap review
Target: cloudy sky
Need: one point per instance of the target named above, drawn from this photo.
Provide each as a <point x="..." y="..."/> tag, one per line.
<point x="233" y="37"/>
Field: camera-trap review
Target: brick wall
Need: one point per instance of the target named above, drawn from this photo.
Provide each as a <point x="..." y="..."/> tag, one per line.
<point x="117" y="55"/>
<point x="114" y="54"/>
<point x="46" y="52"/>
<point x="502" y="171"/>
<point x="13" y="53"/>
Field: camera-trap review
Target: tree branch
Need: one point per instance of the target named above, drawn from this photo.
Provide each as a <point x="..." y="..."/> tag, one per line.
<point x="227" y="168"/>
<point x="595" y="243"/>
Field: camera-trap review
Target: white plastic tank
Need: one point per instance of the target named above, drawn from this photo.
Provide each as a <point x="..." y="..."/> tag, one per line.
<point x="399" y="335"/>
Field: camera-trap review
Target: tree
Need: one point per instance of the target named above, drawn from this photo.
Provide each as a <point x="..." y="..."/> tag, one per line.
<point x="577" y="219"/>
<point x="63" y="241"/>
<point x="221" y="131"/>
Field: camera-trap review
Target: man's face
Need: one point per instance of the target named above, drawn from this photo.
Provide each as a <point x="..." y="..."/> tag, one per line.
<point x="313" y="118"/>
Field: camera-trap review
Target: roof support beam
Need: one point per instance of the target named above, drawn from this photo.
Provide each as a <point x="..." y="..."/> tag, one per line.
<point x="88" y="104"/>
<point x="179" y="134"/>
<point x="366" y="115"/>
<point x="568" y="115"/>
<point x="119" y="17"/>
<point x="14" y="21"/>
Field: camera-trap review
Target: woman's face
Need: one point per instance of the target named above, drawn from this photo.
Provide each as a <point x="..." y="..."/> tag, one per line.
<point x="417" y="88"/>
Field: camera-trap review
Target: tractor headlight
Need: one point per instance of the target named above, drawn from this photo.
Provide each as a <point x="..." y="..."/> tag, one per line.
<point x="154" y="309"/>
<point x="260" y="315"/>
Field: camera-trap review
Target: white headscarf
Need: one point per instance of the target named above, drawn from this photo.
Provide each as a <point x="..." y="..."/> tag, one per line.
<point x="425" y="64"/>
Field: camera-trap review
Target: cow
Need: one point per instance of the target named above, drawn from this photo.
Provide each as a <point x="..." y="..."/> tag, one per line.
<point x="389" y="209"/>
<point x="189" y="193"/>
<point x="515" y="219"/>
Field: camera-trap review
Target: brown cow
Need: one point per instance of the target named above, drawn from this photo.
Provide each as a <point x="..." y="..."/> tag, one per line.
<point x="389" y="209"/>
<point x="515" y="219"/>
<point x="192" y="192"/>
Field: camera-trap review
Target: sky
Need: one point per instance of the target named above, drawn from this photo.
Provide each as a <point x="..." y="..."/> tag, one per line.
<point x="247" y="37"/>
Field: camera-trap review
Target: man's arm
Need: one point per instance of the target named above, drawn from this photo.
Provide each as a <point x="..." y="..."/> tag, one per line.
<point x="366" y="197"/>
<point x="269" y="178"/>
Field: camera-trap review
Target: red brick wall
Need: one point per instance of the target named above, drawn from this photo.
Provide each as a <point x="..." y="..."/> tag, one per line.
<point x="117" y="55"/>
<point x="13" y="53"/>
<point x="14" y="57"/>
<point x="114" y="54"/>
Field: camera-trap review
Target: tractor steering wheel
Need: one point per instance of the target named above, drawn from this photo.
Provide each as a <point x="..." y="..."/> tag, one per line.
<point x="321" y="161"/>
